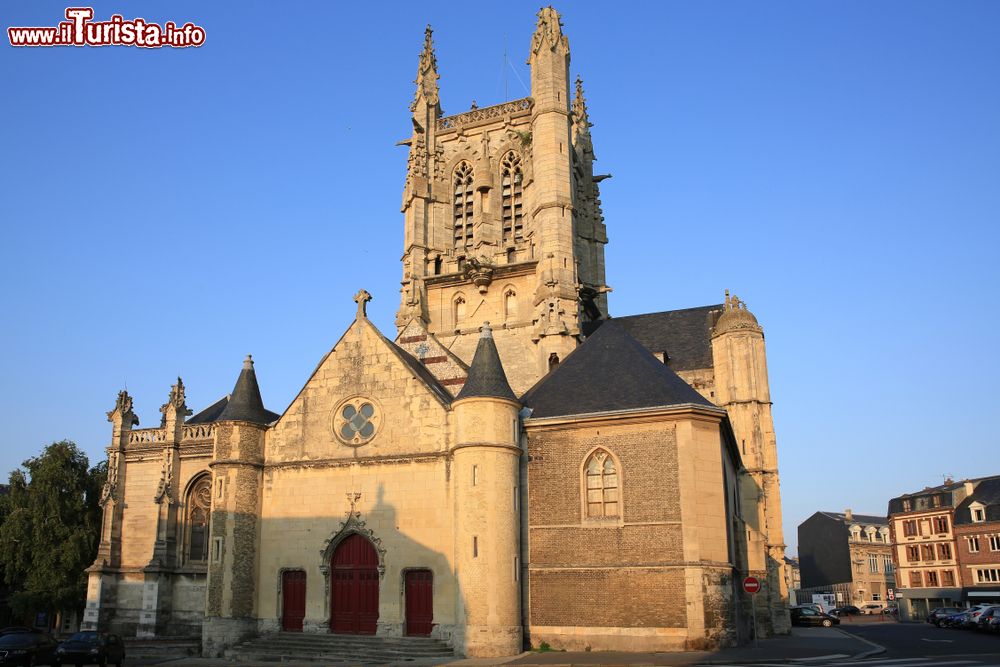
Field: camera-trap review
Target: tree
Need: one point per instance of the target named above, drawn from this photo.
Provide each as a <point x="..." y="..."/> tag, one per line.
<point x="49" y="528"/>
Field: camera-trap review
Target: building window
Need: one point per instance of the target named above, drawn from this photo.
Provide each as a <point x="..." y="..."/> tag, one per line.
<point x="947" y="578"/>
<point x="944" y="551"/>
<point x="932" y="579"/>
<point x="887" y="564"/>
<point x="876" y="597"/>
<point x="927" y="552"/>
<point x="511" y="177"/>
<point x="463" y="205"/>
<point x="217" y="550"/>
<point x="517" y="569"/>
<point x="936" y="500"/>
<point x="517" y="500"/>
<point x="509" y="305"/>
<point x="601" y="485"/>
<point x="978" y="514"/>
<point x="987" y="576"/>
<point x="973" y="545"/>
<point x="873" y="563"/>
<point x="912" y="553"/>
<point x="916" y="580"/>
<point x="907" y="505"/>
<point x="199" y="504"/>
<point x="458" y="310"/>
<point x="475" y="546"/>
<point x="940" y="524"/>
<point x="994" y="542"/>
<point x="909" y="528"/>
<point x="475" y="475"/>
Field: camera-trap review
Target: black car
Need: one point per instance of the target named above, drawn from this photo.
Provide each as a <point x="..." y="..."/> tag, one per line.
<point x="845" y="610"/>
<point x="938" y="614"/>
<point x="98" y="648"/>
<point x="807" y="616"/>
<point x="26" y="648"/>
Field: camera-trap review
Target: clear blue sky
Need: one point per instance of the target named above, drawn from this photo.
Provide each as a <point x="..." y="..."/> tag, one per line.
<point x="835" y="164"/>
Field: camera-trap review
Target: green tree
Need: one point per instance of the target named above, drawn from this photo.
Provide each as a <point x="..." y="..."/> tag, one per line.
<point x="49" y="527"/>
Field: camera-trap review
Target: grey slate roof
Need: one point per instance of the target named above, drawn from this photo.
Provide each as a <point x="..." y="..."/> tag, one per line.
<point x="486" y="375"/>
<point x="211" y="413"/>
<point x="245" y="403"/>
<point x="858" y="518"/>
<point x="685" y="335"/>
<point x="609" y="371"/>
<point x="987" y="493"/>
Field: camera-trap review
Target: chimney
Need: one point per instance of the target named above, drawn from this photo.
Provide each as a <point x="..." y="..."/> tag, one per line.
<point x="969" y="488"/>
<point x="848" y="514"/>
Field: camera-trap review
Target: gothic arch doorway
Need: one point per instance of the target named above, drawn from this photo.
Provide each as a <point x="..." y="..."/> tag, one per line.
<point x="354" y="587"/>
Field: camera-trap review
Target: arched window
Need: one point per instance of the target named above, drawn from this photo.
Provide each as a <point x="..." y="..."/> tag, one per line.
<point x="511" y="177"/>
<point x="459" y="310"/>
<point x="199" y="504"/>
<point x="509" y="305"/>
<point x="463" y="205"/>
<point x="602" y="478"/>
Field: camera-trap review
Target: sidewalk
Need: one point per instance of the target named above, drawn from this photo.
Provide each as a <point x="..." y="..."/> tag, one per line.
<point x="802" y="644"/>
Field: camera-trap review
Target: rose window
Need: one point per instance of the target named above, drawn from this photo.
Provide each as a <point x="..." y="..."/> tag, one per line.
<point x="356" y="421"/>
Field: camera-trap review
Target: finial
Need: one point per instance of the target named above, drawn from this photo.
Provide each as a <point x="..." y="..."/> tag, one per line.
<point x="486" y="331"/>
<point x="248" y="363"/>
<point x="362" y="298"/>
<point x="473" y="106"/>
<point x="548" y="32"/>
<point x="580" y="118"/>
<point x="427" y="75"/>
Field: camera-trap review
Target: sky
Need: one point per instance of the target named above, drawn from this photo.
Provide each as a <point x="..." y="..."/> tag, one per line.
<point x="836" y="165"/>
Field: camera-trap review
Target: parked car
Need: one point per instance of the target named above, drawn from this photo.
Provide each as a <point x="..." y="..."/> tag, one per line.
<point x="101" y="648"/>
<point x="985" y="616"/>
<point x="975" y="613"/>
<point x="955" y="620"/>
<point x="994" y="625"/>
<point x="940" y="613"/>
<point x="845" y="610"/>
<point x="811" y="605"/>
<point x="26" y="648"/>
<point x="808" y="616"/>
<point x="872" y="608"/>
<point x="891" y="609"/>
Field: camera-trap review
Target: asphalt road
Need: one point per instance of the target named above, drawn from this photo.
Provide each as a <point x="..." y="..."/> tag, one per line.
<point x="923" y="640"/>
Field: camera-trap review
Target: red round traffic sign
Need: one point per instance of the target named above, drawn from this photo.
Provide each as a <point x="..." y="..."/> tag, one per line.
<point x="751" y="584"/>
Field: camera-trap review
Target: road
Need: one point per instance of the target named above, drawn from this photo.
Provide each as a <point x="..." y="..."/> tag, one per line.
<point x="923" y="640"/>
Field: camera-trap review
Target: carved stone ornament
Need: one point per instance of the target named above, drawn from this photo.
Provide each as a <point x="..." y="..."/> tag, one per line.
<point x="735" y="317"/>
<point x="352" y="525"/>
<point x="356" y="421"/>
<point x="163" y="489"/>
<point x="480" y="271"/>
<point x="123" y="407"/>
<point x="175" y="401"/>
<point x="111" y="482"/>
<point x="548" y="33"/>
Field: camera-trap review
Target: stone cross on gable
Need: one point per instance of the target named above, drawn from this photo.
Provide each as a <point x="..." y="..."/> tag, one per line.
<point x="353" y="498"/>
<point x="362" y="298"/>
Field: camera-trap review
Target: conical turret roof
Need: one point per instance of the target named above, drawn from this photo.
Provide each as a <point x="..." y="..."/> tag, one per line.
<point x="486" y="376"/>
<point x="245" y="404"/>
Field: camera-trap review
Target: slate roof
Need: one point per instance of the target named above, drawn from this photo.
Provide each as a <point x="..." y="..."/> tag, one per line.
<point x="920" y="499"/>
<point x="987" y="493"/>
<point x="486" y="375"/>
<point x="858" y="518"/>
<point x="685" y="335"/>
<point x="609" y="371"/>
<point x="211" y="413"/>
<point x="245" y="403"/>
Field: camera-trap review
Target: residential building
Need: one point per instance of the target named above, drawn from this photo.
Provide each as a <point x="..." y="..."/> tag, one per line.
<point x="847" y="554"/>
<point x="977" y="542"/>
<point x="793" y="579"/>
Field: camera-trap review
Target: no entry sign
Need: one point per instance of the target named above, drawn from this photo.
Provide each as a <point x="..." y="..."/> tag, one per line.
<point x="751" y="584"/>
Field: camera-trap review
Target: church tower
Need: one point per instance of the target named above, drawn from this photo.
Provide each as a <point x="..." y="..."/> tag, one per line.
<point x="502" y="217"/>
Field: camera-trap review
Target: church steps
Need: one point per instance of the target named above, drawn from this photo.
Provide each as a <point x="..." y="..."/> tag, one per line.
<point x="328" y="647"/>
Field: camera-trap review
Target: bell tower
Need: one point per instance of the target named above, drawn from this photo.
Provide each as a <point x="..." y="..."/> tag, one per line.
<point x="502" y="217"/>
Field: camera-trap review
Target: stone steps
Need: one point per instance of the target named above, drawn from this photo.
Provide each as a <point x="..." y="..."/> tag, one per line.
<point x="347" y="649"/>
<point x="162" y="648"/>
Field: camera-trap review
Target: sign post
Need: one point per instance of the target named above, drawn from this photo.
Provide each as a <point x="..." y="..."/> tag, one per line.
<point x="752" y="586"/>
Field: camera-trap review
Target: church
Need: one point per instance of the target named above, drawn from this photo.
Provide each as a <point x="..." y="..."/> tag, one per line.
<point x="511" y="466"/>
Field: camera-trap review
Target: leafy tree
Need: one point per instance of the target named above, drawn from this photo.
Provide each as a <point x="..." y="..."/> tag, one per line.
<point x="49" y="527"/>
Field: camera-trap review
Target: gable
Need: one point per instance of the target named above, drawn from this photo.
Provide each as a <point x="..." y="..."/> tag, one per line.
<point x="410" y="408"/>
<point x="442" y="363"/>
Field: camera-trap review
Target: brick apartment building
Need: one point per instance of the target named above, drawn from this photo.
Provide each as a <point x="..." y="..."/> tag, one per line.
<point x="939" y="535"/>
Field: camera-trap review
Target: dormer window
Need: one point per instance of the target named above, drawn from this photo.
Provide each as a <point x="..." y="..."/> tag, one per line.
<point x="907" y="505"/>
<point x="978" y="512"/>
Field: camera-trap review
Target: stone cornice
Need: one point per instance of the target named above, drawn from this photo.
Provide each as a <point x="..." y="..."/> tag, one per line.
<point x="636" y="416"/>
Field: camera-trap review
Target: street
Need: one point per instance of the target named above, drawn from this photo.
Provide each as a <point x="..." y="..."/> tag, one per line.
<point x="923" y="640"/>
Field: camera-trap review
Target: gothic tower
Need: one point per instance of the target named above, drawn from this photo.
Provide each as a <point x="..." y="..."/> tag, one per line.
<point x="502" y="216"/>
<point x="742" y="388"/>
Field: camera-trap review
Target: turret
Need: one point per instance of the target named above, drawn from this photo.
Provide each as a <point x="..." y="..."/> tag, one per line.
<point x="741" y="386"/>
<point x="556" y="295"/>
<point x="486" y="469"/>
<point x="237" y="466"/>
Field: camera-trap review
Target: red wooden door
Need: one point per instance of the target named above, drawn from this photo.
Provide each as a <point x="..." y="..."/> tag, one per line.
<point x="419" y="602"/>
<point x="293" y="600"/>
<point x="354" y="587"/>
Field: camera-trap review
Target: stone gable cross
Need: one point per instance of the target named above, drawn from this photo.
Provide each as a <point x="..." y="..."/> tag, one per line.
<point x="362" y="298"/>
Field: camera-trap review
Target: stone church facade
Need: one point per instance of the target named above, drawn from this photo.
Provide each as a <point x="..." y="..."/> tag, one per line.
<point x="514" y="466"/>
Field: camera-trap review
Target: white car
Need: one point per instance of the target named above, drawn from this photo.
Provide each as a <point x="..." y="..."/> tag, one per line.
<point x="872" y="608"/>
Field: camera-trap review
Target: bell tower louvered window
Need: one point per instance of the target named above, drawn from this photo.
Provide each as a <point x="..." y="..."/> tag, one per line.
<point x="511" y="177"/>
<point x="463" y="206"/>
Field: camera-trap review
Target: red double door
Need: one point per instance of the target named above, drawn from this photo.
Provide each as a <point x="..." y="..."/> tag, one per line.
<point x="293" y="600"/>
<point x="354" y="587"/>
